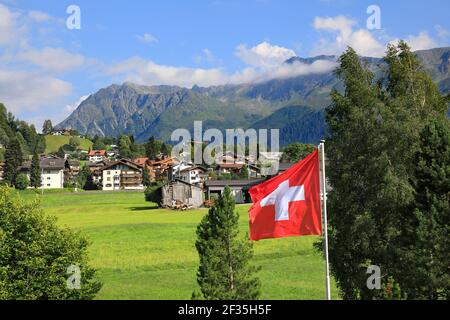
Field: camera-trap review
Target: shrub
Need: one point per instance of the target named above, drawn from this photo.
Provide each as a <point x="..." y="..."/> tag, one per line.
<point x="22" y="182"/>
<point x="37" y="257"/>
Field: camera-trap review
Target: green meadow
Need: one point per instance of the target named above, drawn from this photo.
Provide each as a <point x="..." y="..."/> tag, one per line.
<point x="53" y="143"/>
<point x="143" y="252"/>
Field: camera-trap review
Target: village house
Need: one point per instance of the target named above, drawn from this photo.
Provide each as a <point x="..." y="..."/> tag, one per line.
<point x="141" y="161"/>
<point x="160" y="169"/>
<point x="61" y="132"/>
<point x="228" y="168"/>
<point x="96" y="170"/>
<point x="192" y="175"/>
<point x="72" y="168"/>
<point x="97" y="155"/>
<point x="52" y="172"/>
<point x="122" y="175"/>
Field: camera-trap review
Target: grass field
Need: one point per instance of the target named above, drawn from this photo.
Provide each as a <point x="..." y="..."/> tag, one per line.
<point x="142" y="252"/>
<point x="53" y="143"/>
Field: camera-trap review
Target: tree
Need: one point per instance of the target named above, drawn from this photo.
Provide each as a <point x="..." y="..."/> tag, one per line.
<point x="47" y="127"/>
<point x="125" y="147"/>
<point x="35" y="172"/>
<point x="98" y="143"/>
<point x="152" y="148"/>
<point x="85" y="179"/>
<point x="153" y="193"/>
<point x="22" y="182"/>
<point x="145" y="177"/>
<point x="74" y="142"/>
<point x="13" y="161"/>
<point x="427" y="239"/>
<point x="61" y="152"/>
<point x="165" y="149"/>
<point x="23" y="144"/>
<point x="225" y="272"/>
<point x="297" y="151"/>
<point x="374" y="129"/>
<point x="39" y="144"/>
<point x="244" y="173"/>
<point x="36" y="255"/>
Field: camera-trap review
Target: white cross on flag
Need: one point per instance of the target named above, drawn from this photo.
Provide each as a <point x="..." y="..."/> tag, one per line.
<point x="288" y="204"/>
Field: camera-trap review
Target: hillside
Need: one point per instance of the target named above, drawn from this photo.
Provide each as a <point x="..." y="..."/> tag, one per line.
<point x="294" y="105"/>
<point x="53" y="143"/>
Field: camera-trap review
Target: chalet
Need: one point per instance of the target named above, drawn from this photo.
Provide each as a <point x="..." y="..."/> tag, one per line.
<point x="61" y="132"/>
<point x="181" y="194"/>
<point x="192" y="175"/>
<point x="97" y="155"/>
<point x="224" y="168"/>
<point x="141" y="161"/>
<point x="160" y="168"/>
<point x="96" y="170"/>
<point x="72" y="168"/>
<point x="239" y="188"/>
<point x="52" y="172"/>
<point x="122" y="175"/>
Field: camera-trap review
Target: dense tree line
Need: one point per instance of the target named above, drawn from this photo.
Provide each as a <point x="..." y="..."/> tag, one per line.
<point x="13" y="129"/>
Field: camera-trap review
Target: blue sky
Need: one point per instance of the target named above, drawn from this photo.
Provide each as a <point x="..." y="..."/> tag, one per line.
<point x="45" y="68"/>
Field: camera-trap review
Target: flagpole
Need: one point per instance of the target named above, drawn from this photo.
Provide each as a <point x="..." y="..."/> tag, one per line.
<point x="325" y="225"/>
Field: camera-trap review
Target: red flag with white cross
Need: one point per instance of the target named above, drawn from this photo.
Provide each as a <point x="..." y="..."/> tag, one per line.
<point x="288" y="204"/>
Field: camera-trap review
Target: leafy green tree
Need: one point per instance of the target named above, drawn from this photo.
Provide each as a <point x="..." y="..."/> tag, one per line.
<point x="61" y="152"/>
<point x="225" y="272"/>
<point x="36" y="254"/>
<point x="125" y="147"/>
<point x="152" y="148"/>
<point x="145" y="177"/>
<point x="22" y="182"/>
<point x="39" y="144"/>
<point x="244" y="173"/>
<point x="98" y="143"/>
<point x="297" y="151"/>
<point x="427" y="235"/>
<point x="374" y="129"/>
<point x="74" y="142"/>
<point x="153" y="193"/>
<point x="4" y="139"/>
<point x="35" y="172"/>
<point x="13" y="161"/>
<point x="165" y="149"/>
<point x="47" y="127"/>
<point x="23" y="144"/>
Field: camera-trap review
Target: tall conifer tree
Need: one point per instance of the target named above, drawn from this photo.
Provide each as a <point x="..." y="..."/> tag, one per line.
<point x="225" y="272"/>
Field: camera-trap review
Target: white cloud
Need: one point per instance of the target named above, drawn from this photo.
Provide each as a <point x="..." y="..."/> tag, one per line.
<point x="147" y="38"/>
<point x="9" y="29"/>
<point x="147" y="72"/>
<point x="422" y="41"/>
<point x="264" y="55"/>
<point x="21" y="90"/>
<point x="39" y="16"/>
<point x="206" y="57"/>
<point x="72" y="107"/>
<point x="344" y="35"/>
<point x="442" y="33"/>
<point x="342" y="32"/>
<point x="52" y="59"/>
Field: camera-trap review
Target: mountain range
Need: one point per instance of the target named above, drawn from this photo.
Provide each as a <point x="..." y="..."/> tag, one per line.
<point x="295" y="104"/>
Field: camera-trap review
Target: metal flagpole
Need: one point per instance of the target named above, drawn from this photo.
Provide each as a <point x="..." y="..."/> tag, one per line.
<point x="325" y="225"/>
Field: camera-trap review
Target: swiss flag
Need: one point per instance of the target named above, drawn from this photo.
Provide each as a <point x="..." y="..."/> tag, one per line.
<point x="288" y="204"/>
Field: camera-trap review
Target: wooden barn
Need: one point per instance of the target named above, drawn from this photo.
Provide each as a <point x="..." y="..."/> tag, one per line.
<point x="181" y="195"/>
